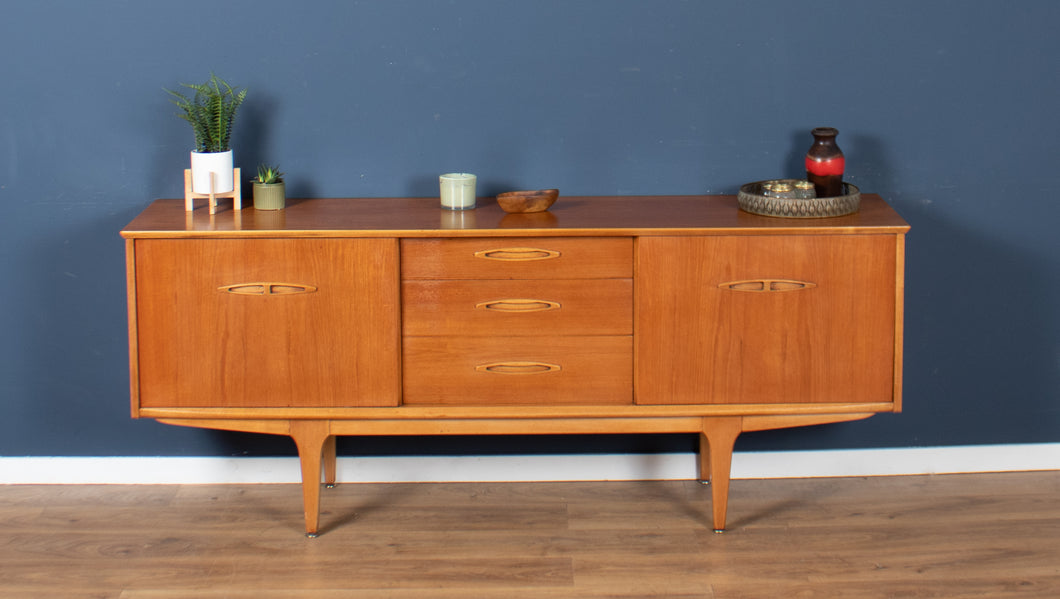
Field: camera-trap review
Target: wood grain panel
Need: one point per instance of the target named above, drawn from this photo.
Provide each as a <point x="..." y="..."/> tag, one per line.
<point x="592" y="370"/>
<point x="201" y="345"/>
<point x="571" y="216"/>
<point x="517" y="258"/>
<point x="532" y="307"/>
<point x="701" y="341"/>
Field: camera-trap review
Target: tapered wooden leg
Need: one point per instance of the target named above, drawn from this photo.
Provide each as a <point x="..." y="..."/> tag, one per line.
<point x="704" y="459"/>
<point x="720" y="436"/>
<point x="310" y="436"/>
<point x="330" y="473"/>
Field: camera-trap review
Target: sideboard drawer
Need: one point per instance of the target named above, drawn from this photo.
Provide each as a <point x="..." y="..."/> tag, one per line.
<point x="530" y="370"/>
<point x="529" y="307"/>
<point x="517" y="258"/>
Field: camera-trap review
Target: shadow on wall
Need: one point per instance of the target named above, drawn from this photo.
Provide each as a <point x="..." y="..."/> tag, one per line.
<point x="256" y="148"/>
<point x="977" y="335"/>
<point x="977" y="345"/>
<point x="247" y="444"/>
<point x="73" y="360"/>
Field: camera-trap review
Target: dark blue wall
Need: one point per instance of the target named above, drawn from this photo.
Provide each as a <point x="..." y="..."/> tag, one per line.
<point x="946" y="108"/>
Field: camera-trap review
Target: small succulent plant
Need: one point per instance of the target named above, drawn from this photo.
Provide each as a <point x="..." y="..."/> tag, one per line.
<point x="269" y="174"/>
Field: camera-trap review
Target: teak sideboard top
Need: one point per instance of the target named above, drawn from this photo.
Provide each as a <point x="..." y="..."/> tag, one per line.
<point x="569" y="216"/>
<point x="392" y="316"/>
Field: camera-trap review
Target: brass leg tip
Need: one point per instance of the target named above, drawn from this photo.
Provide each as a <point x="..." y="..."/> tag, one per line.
<point x="718" y="531"/>
<point x="311" y="535"/>
<point x="329" y="485"/>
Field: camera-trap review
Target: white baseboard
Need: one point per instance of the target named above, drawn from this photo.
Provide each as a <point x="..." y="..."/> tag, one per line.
<point x="670" y="466"/>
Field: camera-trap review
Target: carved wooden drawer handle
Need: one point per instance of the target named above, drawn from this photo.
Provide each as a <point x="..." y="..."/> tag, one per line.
<point x="518" y="305"/>
<point x="767" y="285"/>
<point x="517" y="254"/>
<point x="518" y="368"/>
<point x="267" y="288"/>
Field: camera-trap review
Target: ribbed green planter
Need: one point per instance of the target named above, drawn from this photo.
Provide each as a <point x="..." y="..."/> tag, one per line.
<point x="269" y="196"/>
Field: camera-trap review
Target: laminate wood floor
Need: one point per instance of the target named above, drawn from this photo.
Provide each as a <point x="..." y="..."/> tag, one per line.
<point x="953" y="536"/>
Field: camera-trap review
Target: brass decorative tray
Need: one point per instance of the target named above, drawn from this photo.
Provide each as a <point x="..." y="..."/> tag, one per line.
<point x="752" y="199"/>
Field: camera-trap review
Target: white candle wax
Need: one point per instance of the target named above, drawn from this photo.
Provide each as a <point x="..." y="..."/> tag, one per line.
<point x="457" y="190"/>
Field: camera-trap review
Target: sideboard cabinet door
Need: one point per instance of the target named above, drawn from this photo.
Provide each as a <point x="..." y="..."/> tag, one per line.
<point x="267" y="322"/>
<point x="765" y="319"/>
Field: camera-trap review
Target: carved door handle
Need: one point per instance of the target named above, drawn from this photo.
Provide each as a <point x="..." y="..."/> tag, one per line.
<point x="517" y="254"/>
<point x="518" y="368"/>
<point x="767" y="285"/>
<point x="267" y="288"/>
<point x="518" y="305"/>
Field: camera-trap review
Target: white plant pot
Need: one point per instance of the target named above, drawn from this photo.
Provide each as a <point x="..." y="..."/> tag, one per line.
<point x="204" y="163"/>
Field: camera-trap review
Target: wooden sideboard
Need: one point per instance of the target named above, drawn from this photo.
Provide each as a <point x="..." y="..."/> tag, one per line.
<point x="390" y="316"/>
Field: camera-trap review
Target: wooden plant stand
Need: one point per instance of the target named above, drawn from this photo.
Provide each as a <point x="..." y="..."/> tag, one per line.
<point x="190" y="196"/>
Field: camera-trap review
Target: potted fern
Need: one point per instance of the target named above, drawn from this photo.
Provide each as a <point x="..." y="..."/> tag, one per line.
<point x="269" y="192"/>
<point x="210" y="111"/>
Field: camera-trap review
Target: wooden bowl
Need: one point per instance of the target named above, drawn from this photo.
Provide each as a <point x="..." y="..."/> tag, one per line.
<point x="527" y="201"/>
